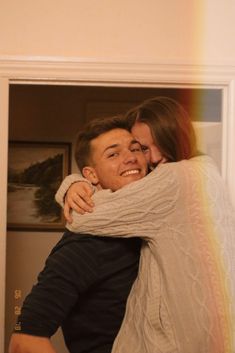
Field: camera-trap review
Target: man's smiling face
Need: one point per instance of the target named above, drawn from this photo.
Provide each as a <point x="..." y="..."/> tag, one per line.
<point x="116" y="160"/>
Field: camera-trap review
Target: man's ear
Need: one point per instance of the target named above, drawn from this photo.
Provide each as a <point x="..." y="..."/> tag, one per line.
<point x="90" y="174"/>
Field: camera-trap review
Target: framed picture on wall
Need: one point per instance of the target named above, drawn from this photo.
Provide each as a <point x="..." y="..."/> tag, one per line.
<point x="35" y="171"/>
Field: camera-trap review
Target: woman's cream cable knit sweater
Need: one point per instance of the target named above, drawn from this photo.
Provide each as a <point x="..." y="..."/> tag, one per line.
<point x="183" y="298"/>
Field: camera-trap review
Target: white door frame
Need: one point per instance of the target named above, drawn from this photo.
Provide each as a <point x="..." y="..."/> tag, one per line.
<point x="66" y="71"/>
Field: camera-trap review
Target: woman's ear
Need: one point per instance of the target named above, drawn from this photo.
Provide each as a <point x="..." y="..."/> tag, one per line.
<point x="90" y="174"/>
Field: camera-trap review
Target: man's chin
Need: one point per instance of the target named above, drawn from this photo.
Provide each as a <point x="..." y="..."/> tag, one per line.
<point x="131" y="178"/>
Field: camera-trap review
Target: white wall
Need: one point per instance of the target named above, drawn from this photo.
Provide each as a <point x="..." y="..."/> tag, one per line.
<point x="125" y="30"/>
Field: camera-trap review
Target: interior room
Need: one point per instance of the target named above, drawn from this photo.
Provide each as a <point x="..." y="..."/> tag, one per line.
<point x="34" y="111"/>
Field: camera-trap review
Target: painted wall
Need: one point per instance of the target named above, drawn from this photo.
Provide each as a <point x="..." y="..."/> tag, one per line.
<point x="125" y="30"/>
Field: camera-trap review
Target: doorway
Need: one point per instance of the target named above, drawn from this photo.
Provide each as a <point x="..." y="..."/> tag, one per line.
<point x="55" y="113"/>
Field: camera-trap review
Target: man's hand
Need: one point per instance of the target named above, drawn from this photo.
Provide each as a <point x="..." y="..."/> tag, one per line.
<point x="22" y="343"/>
<point x="78" y="198"/>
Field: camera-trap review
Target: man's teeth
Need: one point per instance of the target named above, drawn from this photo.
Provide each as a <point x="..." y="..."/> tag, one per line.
<point x="129" y="172"/>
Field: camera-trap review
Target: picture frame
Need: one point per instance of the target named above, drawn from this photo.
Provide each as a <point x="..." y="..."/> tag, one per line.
<point x="35" y="172"/>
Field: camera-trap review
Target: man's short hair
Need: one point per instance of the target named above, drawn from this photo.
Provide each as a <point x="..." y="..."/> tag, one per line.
<point x="91" y="130"/>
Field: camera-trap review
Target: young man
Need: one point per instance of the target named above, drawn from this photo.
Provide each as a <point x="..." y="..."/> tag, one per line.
<point x="86" y="281"/>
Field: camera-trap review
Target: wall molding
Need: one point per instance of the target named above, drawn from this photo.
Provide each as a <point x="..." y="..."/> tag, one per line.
<point x="90" y="71"/>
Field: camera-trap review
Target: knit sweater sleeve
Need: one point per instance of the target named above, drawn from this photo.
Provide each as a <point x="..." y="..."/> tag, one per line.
<point x="65" y="185"/>
<point x="135" y="210"/>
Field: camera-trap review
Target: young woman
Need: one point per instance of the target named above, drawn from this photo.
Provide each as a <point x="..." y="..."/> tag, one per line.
<point x="183" y="298"/>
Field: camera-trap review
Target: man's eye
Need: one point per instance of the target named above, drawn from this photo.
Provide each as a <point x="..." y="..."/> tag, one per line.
<point x="136" y="149"/>
<point x="114" y="154"/>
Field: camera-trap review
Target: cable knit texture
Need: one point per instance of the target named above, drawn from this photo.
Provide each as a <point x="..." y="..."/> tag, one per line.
<point x="67" y="182"/>
<point x="183" y="298"/>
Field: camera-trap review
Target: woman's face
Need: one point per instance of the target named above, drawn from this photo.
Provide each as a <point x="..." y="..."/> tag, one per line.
<point x="143" y="135"/>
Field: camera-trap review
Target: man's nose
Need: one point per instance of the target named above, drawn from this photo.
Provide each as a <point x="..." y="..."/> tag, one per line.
<point x="130" y="157"/>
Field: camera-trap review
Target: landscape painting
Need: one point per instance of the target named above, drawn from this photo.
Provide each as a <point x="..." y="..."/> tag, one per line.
<point x="35" y="171"/>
